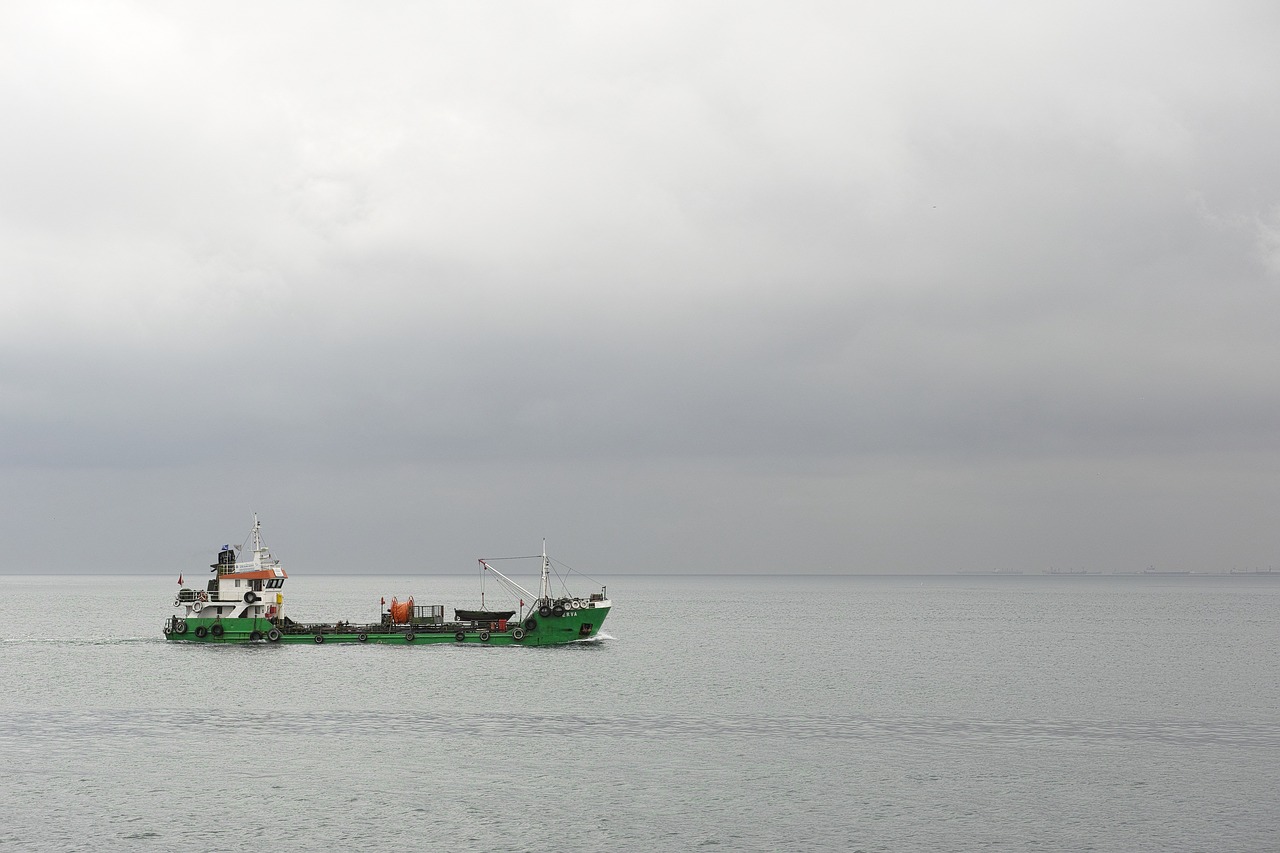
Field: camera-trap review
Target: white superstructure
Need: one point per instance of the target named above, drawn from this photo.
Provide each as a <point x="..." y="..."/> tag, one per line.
<point x="248" y="590"/>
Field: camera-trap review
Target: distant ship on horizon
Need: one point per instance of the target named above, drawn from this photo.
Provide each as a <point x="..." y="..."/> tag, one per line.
<point x="1149" y="571"/>
<point x="1152" y="570"/>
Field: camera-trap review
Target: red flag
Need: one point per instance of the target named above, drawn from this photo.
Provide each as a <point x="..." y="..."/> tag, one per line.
<point x="179" y="580"/>
<point x="384" y="600"/>
<point x="522" y="602"/>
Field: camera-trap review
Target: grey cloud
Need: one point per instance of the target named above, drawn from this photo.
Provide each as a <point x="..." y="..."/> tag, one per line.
<point x="845" y="268"/>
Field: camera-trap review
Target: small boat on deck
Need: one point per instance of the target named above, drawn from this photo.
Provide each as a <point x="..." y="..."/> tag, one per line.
<point x="244" y="603"/>
<point x="483" y="615"/>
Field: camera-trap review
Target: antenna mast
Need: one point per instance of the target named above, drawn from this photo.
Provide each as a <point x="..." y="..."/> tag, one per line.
<point x="544" y="589"/>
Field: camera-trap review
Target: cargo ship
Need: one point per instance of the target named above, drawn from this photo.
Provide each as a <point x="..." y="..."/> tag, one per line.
<point x="244" y="603"/>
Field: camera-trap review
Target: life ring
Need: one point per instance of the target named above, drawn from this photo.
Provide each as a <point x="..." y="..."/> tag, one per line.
<point x="576" y="604"/>
<point x="197" y="606"/>
<point x="544" y="611"/>
<point x="558" y="610"/>
<point x="362" y="637"/>
<point x="408" y="638"/>
<point x="168" y="629"/>
<point x="255" y="636"/>
<point x="216" y="630"/>
<point x="181" y="627"/>
<point x="517" y="634"/>
<point x="202" y="632"/>
<point x="319" y="638"/>
<point x="274" y="635"/>
<point x="530" y="624"/>
<point x="250" y="597"/>
<point x="484" y="636"/>
<point x="460" y="637"/>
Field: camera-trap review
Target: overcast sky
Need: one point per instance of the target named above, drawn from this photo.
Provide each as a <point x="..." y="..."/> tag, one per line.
<point x="681" y="287"/>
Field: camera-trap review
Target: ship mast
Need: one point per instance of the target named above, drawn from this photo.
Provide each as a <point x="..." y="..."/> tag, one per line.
<point x="544" y="585"/>
<point x="544" y="589"/>
<point x="258" y="549"/>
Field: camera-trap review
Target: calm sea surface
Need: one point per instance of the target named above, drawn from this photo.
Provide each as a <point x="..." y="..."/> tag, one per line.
<point x="1047" y="713"/>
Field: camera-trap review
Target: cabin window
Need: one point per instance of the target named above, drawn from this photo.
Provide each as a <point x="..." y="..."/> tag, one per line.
<point x="237" y="581"/>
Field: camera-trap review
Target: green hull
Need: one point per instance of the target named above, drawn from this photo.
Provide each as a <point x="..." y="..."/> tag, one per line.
<point x="534" y="631"/>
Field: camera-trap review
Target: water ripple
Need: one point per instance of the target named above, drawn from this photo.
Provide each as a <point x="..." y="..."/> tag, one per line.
<point x="71" y="725"/>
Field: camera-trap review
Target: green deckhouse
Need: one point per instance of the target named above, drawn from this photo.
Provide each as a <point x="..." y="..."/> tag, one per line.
<point x="244" y="603"/>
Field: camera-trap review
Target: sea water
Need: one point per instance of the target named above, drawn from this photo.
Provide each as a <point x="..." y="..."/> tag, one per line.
<point x="1051" y="713"/>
